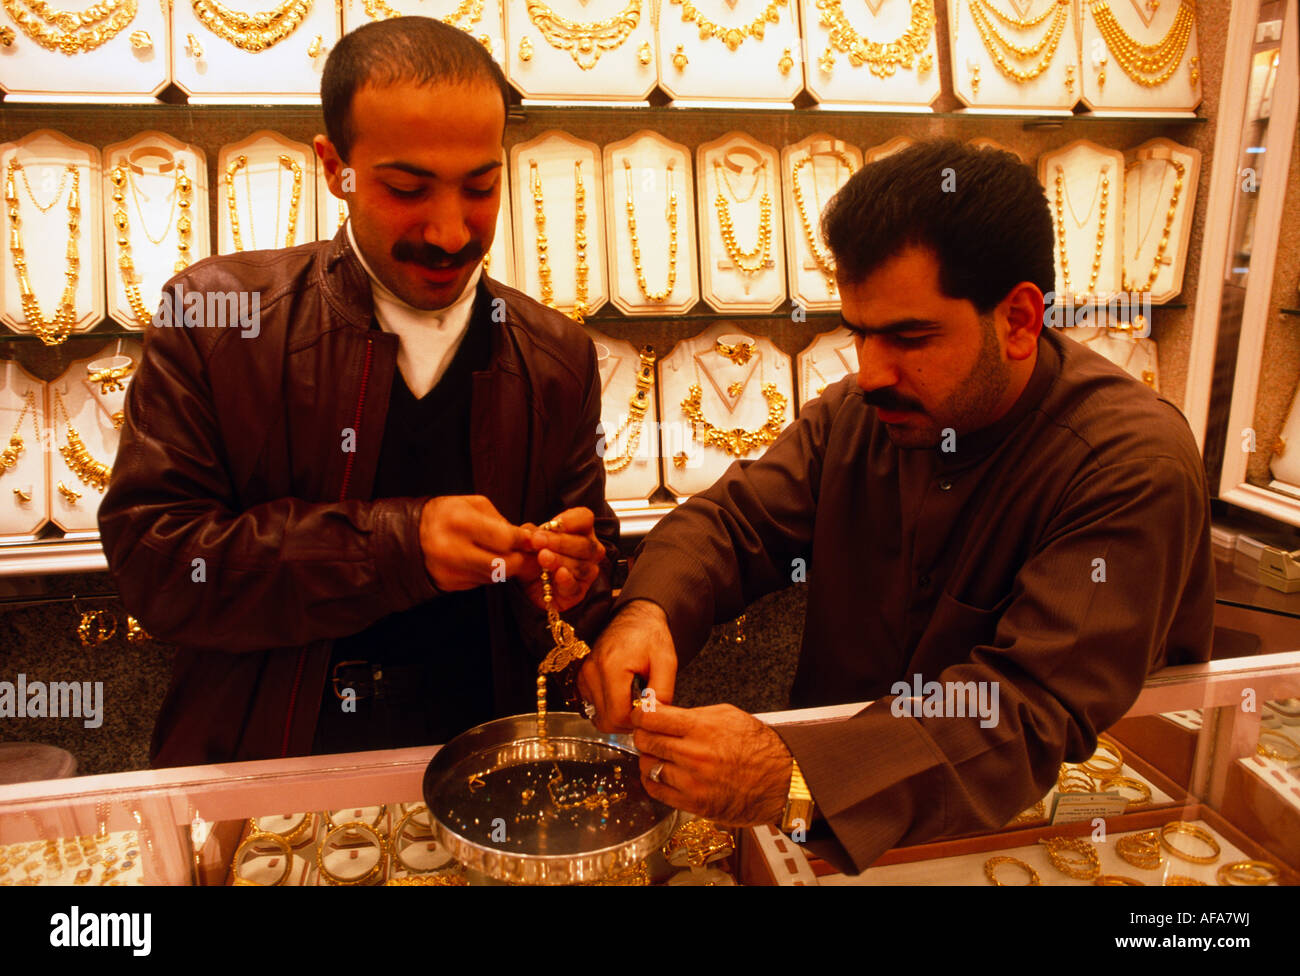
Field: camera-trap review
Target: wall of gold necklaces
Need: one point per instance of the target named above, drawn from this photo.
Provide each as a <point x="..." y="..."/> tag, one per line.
<point x="685" y="241"/>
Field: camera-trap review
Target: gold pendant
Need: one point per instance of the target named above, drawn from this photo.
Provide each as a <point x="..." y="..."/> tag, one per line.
<point x="7" y="36"/>
<point x="680" y="61"/>
<point x="140" y="40"/>
<point x="786" y="62"/>
<point x="68" y="493"/>
<point x="525" y="49"/>
<point x="193" y="47"/>
<point x="644" y="54"/>
<point x="23" y="496"/>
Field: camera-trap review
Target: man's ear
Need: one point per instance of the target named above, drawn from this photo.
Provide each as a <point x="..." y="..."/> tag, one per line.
<point x="335" y="169"/>
<point x="1023" y="312"/>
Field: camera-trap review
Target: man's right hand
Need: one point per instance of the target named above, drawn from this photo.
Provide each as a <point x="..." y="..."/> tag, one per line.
<point x="467" y="543"/>
<point x="637" y="641"/>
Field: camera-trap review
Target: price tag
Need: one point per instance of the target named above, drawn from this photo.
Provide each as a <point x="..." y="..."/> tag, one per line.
<point x="1073" y="807"/>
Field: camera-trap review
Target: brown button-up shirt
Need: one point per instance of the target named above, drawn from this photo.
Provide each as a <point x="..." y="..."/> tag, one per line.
<point x="1054" y="559"/>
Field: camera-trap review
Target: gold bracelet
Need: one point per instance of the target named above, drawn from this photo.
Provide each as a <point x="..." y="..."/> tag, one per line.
<point x="364" y="879"/>
<point x="1176" y="880"/>
<point x="1271" y="753"/>
<point x="1144" y="791"/>
<point x="1086" y="868"/>
<point x="256" y="837"/>
<point x="990" y="871"/>
<point x="396" y="836"/>
<point x="374" y="824"/>
<point x="1072" y="779"/>
<point x="1248" y="873"/>
<point x="1104" y="880"/>
<point x="1106" y="747"/>
<point x="1201" y="834"/>
<point x="1142" y="850"/>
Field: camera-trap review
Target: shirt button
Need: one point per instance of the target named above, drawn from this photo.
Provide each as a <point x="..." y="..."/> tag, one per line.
<point x="945" y="484"/>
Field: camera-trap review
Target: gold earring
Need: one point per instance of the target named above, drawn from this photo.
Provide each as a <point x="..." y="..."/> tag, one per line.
<point x="140" y="40"/>
<point x="7" y="36"/>
<point x="134" y="632"/>
<point x="680" y="60"/>
<point x="23" y="496"/>
<point x="1101" y="73"/>
<point x="1193" y="63"/>
<point x="1069" y="79"/>
<point x="525" y="49"/>
<point x="68" y="493"/>
<point x="119" y="418"/>
<point x="644" y="54"/>
<point x="96" y="626"/>
<point x="313" y="49"/>
<point x="679" y="460"/>
<point x="786" y="62"/>
<point x="486" y="42"/>
<point x="193" y="46"/>
<point x="826" y="61"/>
<point x="975" y="80"/>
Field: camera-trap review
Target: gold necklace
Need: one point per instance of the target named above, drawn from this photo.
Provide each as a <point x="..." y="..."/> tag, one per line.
<point x="9" y="456"/>
<point x="904" y="51"/>
<point x="1179" y="170"/>
<point x="1060" y="229"/>
<point x="584" y="42"/>
<point x="71" y="32"/>
<point x="465" y="16"/>
<point x="654" y="296"/>
<point x="91" y="472"/>
<point x="252" y="32"/>
<point x="822" y="258"/>
<point x="737" y="442"/>
<point x="747" y="262"/>
<point x="580" y="241"/>
<point x="181" y="198"/>
<point x="637" y="407"/>
<point x="983" y="12"/>
<point x="54" y="330"/>
<point x="295" y="198"/>
<point x="733" y="37"/>
<point x="1146" y="64"/>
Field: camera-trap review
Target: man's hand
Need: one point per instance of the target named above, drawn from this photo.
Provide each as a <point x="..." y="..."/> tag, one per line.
<point x="463" y="537"/>
<point x="637" y="641"/>
<point x="716" y="762"/>
<point x="572" y="555"/>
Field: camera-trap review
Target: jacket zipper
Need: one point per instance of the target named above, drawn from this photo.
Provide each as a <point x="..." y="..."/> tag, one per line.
<point x="343" y="494"/>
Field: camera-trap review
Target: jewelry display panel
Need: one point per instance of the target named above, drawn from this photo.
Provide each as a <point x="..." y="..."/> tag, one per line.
<point x="499" y="262"/>
<point x="651" y="257"/>
<point x="481" y="19"/>
<point x="1016" y="55"/>
<point x="1135" y="354"/>
<point x="24" y="464"/>
<point x="876" y="153"/>
<point x="558" y="210"/>
<point x="226" y="54"/>
<point x="53" y="268"/>
<point x="736" y="51"/>
<point x="115" y="51"/>
<point x="1160" y="183"/>
<point x="600" y="50"/>
<point x="265" y="175"/>
<point x="331" y="212"/>
<point x="827" y="359"/>
<point x="1082" y="178"/>
<point x="878" y="53"/>
<point x="813" y="170"/>
<point x="629" y="416"/>
<point x="739" y="187"/>
<point x="724" y="395"/>
<point x="1140" y="56"/>
<point x="156" y="224"/>
<point x="85" y="410"/>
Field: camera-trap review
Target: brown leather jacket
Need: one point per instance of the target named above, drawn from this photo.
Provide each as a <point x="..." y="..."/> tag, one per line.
<point x="239" y="522"/>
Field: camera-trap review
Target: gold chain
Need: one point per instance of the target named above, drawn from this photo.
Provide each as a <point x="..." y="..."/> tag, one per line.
<point x="654" y="296"/>
<point x="1060" y="230"/>
<point x="580" y="268"/>
<point x="907" y="50"/>
<point x="1146" y="64"/>
<point x="52" y="331"/>
<point x="295" y="198"/>
<point x="822" y="258"/>
<point x="997" y="44"/>
<point x="251" y="32"/>
<point x="71" y="32"/>
<point x="637" y="407"/>
<point x="737" y="442"/>
<point x="58" y="194"/>
<point x="471" y="9"/>
<point x="584" y="42"/>
<point x="748" y="262"/>
<point x="91" y="472"/>
<point x="9" y="456"/>
<point x="733" y="37"/>
<point x="126" y="266"/>
<point x="1170" y="214"/>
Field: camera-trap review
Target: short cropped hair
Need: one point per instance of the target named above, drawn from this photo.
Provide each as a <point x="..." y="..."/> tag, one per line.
<point x="981" y="212"/>
<point x="401" y="49"/>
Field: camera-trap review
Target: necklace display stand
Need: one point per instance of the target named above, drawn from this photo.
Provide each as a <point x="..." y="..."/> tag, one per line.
<point x="24" y="462"/>
<point x="1140" y="57"/>
<point x="741" y="53"/>
<point x="826" y="360"/>
<point x="1084" y="186"/>
<point x="1015" y="55"/>
<point x="481" y="19"/>
<point x="274" y="197"/>
<point x="1161" y="175"/>
<point x="630" y="442"/>
<point x="871" y="54"/>
<point x="813" y="169"/>
<point x="570" y="51"/>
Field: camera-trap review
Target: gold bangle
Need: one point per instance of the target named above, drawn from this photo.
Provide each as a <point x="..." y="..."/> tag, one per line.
<point x="255" y="837"/>
<point x="1104" y="880"/>
<point x="292" y="836"/>
<point x="370" y="875"/>
<point x="1176" y="880"/>
<point x="990" y="871"/>
<point x="1142" y="850"/>
<point x="1144" y="791"/>
<point x="1183" y="827"/>
<point x="1272" y="753"/>
<point x="396" y="836"/>
<point x="1105" y="745"/>
<point x="448" y="878"/>
<point x="1086" y="868"/>
<point x="1072" y="779"/>
<point x="1248" y="873"/>
<point x="374" y="824"/>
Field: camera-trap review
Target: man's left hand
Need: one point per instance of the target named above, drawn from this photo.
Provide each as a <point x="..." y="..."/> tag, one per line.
<point x="717" y="762"/>
<point x="571" y="554"/>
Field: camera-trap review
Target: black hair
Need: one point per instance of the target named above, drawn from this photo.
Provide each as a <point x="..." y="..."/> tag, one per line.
<point x="401" y="49"/>
<point x="981" y="212"/>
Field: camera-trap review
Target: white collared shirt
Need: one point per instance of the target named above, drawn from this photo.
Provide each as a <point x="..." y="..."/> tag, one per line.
<point x="428" y="340"/>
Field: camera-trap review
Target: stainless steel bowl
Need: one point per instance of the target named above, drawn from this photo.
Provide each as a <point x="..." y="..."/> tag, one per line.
<point x="553" y="855"/>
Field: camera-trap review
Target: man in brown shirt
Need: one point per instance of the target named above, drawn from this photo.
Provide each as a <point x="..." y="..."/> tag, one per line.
<point x="986" y="505"/>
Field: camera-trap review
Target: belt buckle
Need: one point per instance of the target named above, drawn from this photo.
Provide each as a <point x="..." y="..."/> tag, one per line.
<point x="368" y="680"/>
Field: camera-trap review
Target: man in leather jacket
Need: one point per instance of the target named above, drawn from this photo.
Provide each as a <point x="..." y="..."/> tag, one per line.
<point x="332" y="510"/>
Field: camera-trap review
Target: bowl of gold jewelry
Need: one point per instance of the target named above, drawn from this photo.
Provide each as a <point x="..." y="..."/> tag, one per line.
<point x="543" y="800"/>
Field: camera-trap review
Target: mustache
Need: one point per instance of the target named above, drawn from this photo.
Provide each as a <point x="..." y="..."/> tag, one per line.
<point x="436" y="258"/>
<point x="887" y="399"/>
